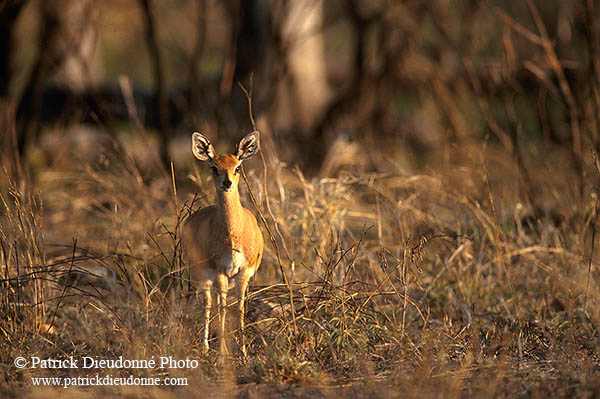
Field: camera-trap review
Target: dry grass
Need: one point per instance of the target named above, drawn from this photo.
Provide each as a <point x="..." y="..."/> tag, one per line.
<point x="449" y="248"/>
<point x="405" y="283"/>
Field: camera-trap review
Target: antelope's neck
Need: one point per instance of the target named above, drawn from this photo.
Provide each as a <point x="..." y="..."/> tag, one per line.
<point x="230" y="215"/>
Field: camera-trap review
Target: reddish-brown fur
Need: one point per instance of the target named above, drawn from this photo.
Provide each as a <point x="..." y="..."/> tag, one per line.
<point x="222" y="241"/>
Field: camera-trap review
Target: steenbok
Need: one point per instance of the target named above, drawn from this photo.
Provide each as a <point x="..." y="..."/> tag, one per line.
<point x="223" y="242"/>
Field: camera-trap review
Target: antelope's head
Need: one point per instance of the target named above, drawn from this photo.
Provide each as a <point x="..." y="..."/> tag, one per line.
<point x="226" y="168"/>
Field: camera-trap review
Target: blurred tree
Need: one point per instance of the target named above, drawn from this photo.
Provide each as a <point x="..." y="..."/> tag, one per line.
<point x="81" y="66"/>
<point x="50" y="55"/>
<point x="9" y="14"/>
<point x="194" y="77"/>
<point x="160" y="101"/>
<point x="65" y="48"/>
<point x="303" y="32"/>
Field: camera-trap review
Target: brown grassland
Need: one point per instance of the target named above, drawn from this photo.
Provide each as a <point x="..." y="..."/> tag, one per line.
<point x="399" y="284"/>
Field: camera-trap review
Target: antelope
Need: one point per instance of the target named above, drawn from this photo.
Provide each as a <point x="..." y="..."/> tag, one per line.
<point x="223" y="242"/>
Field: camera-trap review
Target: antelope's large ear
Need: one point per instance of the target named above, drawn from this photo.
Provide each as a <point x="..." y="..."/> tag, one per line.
<point x="249" y="146"/>
<point x="202" y="148"/>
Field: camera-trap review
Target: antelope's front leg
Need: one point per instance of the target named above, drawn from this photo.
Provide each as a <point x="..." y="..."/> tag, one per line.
<point x="222" y="287"/>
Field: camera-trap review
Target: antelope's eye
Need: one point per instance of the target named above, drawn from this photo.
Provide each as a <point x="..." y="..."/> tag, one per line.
<point x="215" y="171"/>
<point x="237" y="170"/>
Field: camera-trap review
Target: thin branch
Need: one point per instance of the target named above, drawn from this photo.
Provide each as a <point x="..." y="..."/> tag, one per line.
<point x="271" y="236"/>
<point x="594" y="222"/>
<point x="68" y="285"/>
<point x="560" y="74"/>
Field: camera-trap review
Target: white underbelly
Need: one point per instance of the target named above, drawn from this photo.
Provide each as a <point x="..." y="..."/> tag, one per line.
<point x="232" y="262"/>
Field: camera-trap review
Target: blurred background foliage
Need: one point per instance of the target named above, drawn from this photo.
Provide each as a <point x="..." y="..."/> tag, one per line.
<point x="426" y="75"/>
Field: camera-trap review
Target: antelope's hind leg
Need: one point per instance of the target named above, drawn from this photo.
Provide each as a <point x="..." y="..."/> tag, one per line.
<point x="207" y="291"/>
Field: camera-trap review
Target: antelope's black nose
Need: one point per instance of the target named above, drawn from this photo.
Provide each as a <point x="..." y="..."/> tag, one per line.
<point x="227" y="183"/>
